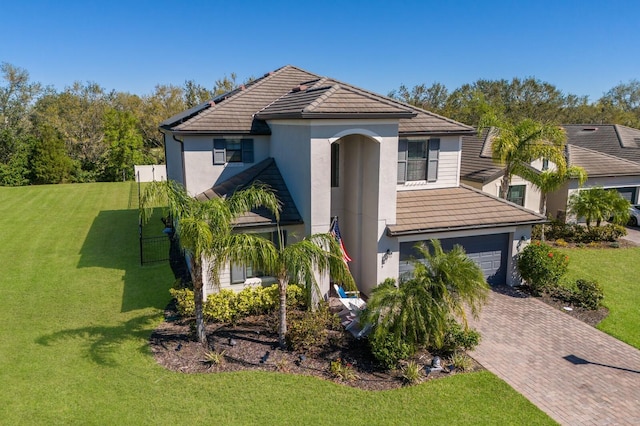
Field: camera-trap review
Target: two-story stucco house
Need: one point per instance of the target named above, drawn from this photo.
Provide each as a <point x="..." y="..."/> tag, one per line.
<point x="389" y="171"/>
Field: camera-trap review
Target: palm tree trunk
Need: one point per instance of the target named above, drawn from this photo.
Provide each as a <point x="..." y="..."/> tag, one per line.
<point x="196" y="277"/>
<point x="543" y="211"/>
<point x="282" y="327"/>
<point x="504" y="185"/>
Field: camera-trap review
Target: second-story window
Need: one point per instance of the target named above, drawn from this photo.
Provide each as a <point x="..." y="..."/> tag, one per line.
<point x="232" y="151"/>
<point x="418" y="160"/>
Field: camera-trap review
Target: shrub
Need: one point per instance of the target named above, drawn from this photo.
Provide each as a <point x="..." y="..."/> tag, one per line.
<point x="541" y="266"/>
<point x="387" y="351"/>
<point x="560" y="242"/>
<point x="457" y="338"/>
<point x="412" y="373"/>
<point x="229" y="306"/>
<point x="214" y="358"/>
<point x="589" y="294"/>
<point x="342" y="371"/>
<point x="461" y="361"/>
<point x="219" y="307"/>
<point x="310" y="329"/>
<point x="184" y="301"/>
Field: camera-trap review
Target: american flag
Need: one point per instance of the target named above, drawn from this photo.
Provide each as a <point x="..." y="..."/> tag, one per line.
<point x="335" y="231"/>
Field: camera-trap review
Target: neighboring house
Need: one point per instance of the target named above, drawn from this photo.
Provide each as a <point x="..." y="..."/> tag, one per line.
<point x="388" y="170"/>
<point x="610" y="153"/>
<point x="478" y="170"/>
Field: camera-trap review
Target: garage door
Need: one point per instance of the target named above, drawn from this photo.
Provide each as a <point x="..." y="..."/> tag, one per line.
<point x="488" y="251"/>
<point x="628" y="193"/>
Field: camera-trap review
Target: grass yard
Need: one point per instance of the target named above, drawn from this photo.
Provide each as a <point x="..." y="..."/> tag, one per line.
<point x="77" y="310"/>
<point x="618" y="271"/>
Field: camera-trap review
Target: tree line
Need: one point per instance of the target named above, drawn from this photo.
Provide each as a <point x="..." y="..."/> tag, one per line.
<point x="85" y="133"/>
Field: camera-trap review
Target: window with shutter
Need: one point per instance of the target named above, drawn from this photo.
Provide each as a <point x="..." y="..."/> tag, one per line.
<point x="232" y="151"/>
<point x="418" y="160"/>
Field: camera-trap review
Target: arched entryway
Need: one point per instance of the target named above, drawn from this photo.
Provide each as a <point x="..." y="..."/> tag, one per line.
<point x="355" y="177"/>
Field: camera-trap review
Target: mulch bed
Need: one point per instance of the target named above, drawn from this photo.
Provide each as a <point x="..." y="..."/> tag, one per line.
<point x="174" y="347"/>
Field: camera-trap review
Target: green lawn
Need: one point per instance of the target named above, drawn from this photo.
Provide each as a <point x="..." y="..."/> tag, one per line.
<point x="618" y="270"/>
<point x="77" y="310"/>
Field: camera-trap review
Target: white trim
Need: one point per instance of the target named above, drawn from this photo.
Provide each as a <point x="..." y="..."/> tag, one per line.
<point x="356" y="131"/>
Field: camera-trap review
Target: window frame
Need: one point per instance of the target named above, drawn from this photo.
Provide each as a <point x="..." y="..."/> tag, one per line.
<point x="524" y="192"/>
<point x="242" y="152"/>
<point x="430" y="158"/>
<point x="239" y="273"/>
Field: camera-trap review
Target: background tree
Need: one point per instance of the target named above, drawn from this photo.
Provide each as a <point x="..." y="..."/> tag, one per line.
<point x="418" y="310"/>
<point x="432" y="98"/>
<point x="124" y="142"/>
<point x="205" y="230"/>
<point x="49" y="160"/>
<point x="598" y="204"/>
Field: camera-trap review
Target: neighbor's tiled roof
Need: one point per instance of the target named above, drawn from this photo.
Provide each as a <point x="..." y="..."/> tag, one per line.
<point x="292" y="92"/>
<point x="476" y="163"/>
<point x="265" y="172"/>
<point x="450" y="209"/>
<point x="598" y="164"/>
<point x="613" y="139"/>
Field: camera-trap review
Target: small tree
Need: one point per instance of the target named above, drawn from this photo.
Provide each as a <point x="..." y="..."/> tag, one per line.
<point x="598" y="204"/>
<point x="298" y="262"/>
<point x="417" y="312"/>
<point x="205" y="230"/>
<point x="515" y="146"/>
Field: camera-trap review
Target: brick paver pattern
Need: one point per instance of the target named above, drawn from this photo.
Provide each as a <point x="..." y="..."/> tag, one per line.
<point x="575" y="373"/>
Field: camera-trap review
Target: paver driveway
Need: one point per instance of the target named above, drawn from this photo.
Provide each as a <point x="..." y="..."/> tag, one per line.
<point x="575" y="373"/>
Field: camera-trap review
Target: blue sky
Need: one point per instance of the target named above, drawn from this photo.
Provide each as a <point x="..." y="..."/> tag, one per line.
<point x="582" y="47"/>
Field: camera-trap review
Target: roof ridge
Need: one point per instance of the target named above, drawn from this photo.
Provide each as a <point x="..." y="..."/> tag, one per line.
<point x="320" y="100"/>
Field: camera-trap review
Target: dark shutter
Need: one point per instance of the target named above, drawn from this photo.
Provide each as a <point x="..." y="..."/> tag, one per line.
<point x="433" y="156"/>
<point x="402" y="160"/>
<point x="247" y="150"/>
<point x="219" y="154"/>
<point x="335" y="165"/>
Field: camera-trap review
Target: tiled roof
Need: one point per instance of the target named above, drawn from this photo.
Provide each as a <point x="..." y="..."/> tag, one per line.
<point x="598" y="164"/>
<point x="613" y="139"/>
<point x="265" y="172"/>
<point x="450" y="209"/>
<point x="335" y="100"/>
<point x="476" y="163"/>
<point x="279" y="95"/>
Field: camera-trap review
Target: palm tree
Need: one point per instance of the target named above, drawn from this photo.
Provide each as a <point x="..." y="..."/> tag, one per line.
<point x="205" y="230"/>
<point x="550" y="180"/>
<point x="417" y="311"/>
<point x="515" y="146"/>
<point x="599" y="204"/>
<point x="298" y="262"/>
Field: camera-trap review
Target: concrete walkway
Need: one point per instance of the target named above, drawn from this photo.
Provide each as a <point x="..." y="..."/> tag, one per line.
<point x="575" y="373"/>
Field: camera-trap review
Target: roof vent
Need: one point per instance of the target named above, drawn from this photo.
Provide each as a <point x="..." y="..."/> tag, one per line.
<point x="589" y="129"/>
<point x="300" y="88"/>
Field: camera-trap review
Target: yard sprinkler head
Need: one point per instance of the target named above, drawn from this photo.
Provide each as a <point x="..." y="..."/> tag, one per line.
<point x="232" y="341"/>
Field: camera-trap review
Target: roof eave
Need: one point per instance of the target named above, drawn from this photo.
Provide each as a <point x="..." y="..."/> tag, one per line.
<point x="391" y="233"/>
<point x="216" y="132"/>
<point x="438" y="132"/>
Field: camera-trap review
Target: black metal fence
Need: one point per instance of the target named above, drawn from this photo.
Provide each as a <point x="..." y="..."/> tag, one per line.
<point x="154" y="249"/>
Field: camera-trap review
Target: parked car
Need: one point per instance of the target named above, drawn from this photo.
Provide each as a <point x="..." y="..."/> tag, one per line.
<point x="634" y="215"/>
